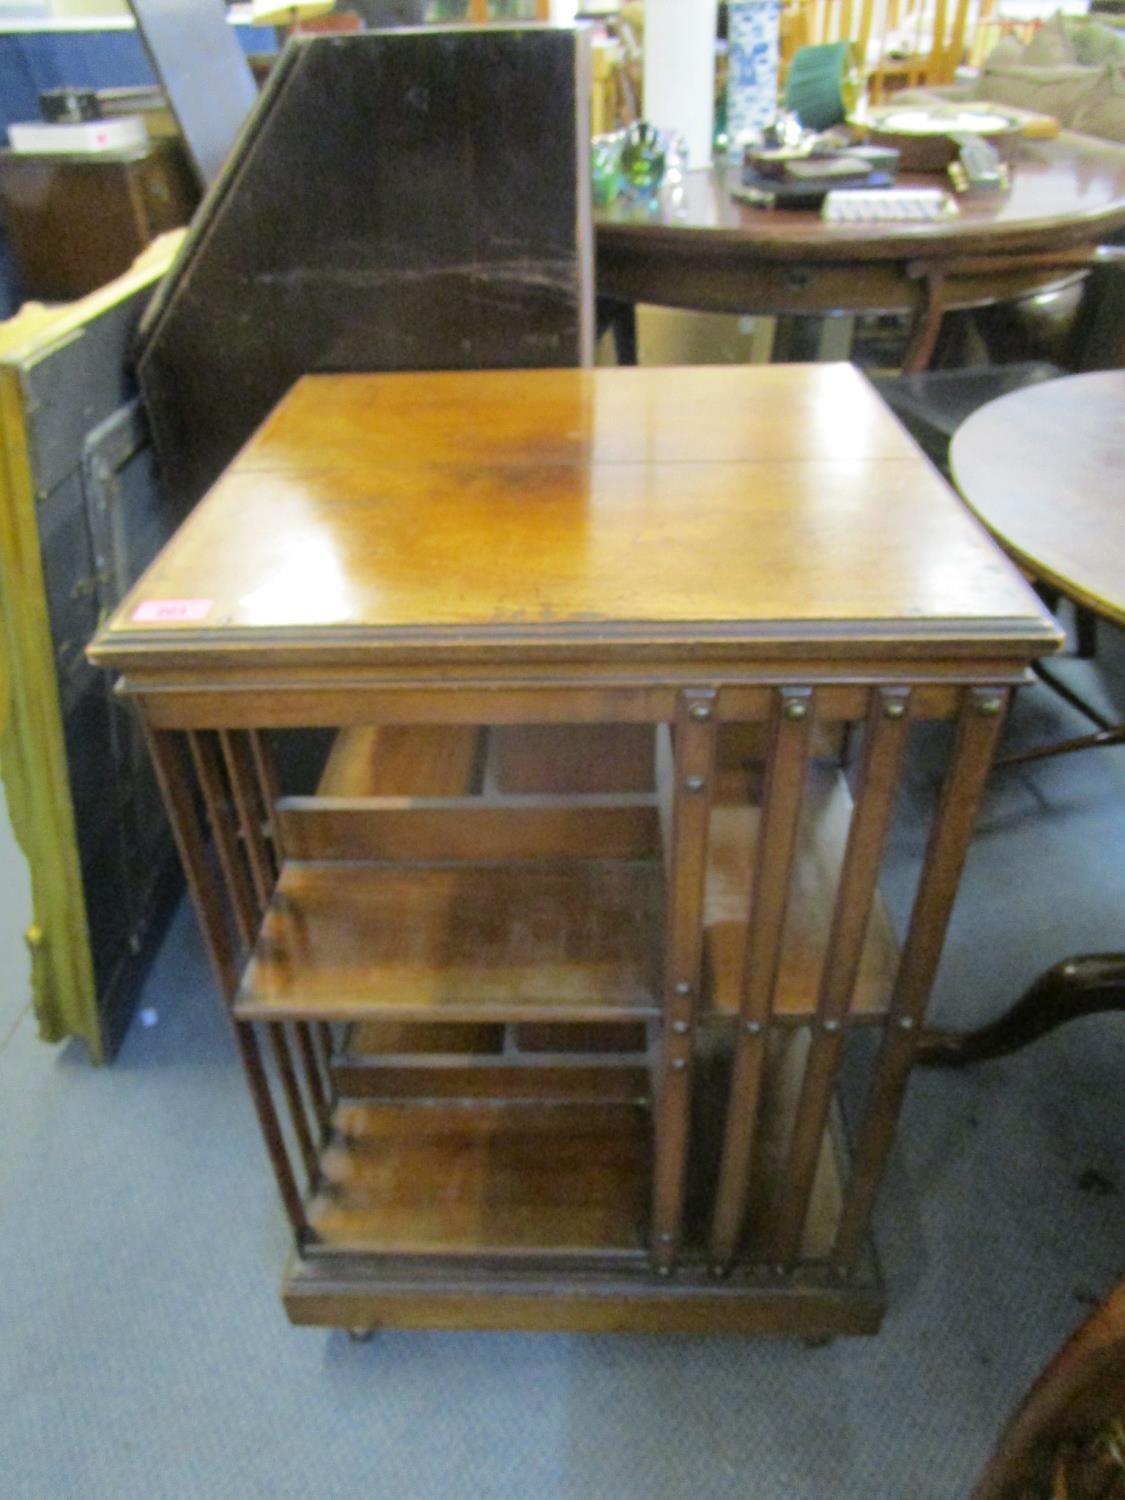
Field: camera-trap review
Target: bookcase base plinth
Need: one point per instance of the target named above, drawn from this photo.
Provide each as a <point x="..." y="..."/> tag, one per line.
<point x="368" y="1293"/>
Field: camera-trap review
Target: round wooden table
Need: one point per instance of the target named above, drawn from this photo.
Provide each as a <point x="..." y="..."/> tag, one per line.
<point x="698" y="248"/>
<point x="1044" y="469"/>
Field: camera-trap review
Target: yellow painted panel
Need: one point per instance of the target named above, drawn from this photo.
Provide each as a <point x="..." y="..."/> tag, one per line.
<point x="32" y="756"/>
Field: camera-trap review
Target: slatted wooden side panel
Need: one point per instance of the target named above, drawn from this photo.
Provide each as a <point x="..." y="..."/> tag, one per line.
<point x="220" y="789"/>
<point x="782" y="1129"/>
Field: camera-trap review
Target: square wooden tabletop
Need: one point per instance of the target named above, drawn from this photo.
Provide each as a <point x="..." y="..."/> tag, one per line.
<point x="610" y="504"/>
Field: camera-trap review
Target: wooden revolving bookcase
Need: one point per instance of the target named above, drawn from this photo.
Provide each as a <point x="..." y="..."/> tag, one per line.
<point x="544" y="976"/>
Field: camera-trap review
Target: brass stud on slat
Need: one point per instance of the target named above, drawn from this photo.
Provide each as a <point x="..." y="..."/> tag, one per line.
<point x="752" y="1028"/>
<point x="664" y="1270"/>
<point x="894" y="709"/>
<point x="667" y="1237"/>
<point x="683" y="987"/>
<point x="906" y="1023"/>
<point x="795" y="709"/>
<point x="700" y="711"/>
<point x="694" y="784"/>
<point x="989" y="707"/>
<point x="832" y="1025"/>
<point x="679" y="1064"/>
<point x="681" y="1028"/>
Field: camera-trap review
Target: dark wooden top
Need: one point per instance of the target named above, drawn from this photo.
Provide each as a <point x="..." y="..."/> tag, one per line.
<point x="1069" y="191"/>
<point x="1044" y="468"/>
<point x="606" y="508"/>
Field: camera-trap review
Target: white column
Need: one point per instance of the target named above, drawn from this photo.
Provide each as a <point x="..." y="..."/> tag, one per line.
<point x="680" y="72"/>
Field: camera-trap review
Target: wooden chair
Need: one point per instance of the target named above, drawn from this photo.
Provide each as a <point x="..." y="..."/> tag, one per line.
<point x="901" y="43"/>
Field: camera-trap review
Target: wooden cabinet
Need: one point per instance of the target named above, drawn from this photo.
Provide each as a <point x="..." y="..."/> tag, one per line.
<point x="556" y="955"/>
<point x="75" y="222"/>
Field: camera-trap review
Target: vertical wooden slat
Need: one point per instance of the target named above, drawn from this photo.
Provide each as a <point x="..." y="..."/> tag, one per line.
<point x="954" y="46"/>
<point x="863" y="41"/>
<point x="240" y="774"/>
<point x="313" y="1079"/>
<point x="782" y="795"/>
<point x="271" y="1130"/>
<point x="169" y="759"/>
<point x="847" y="20"/>
<point x="933" y="69"/>
<point x="214" y="792"/>
<point x="247" y="790"/>
<point x="283" y="1056"/>
<point x="691" y="808"/>
<point x="982" y="714"/>
<point x="884" y="744"/>
<point x="268" y="791"/>
<point x="915" y="70"/>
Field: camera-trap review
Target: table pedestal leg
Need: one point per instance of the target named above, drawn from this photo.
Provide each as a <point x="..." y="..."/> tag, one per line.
<point x="1083" y="986"/>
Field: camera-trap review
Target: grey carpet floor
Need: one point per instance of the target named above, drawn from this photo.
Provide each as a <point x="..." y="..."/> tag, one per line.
<point x="143" y="1351"/>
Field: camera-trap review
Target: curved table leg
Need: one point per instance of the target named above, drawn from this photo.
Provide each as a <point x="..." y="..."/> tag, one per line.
<point x="1081" y="986"/>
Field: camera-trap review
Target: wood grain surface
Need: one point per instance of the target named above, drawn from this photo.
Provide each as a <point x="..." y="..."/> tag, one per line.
<point x="574" y="506"/>
<point x="342" y="942"/>
<point x="1044" y="469"/>
<point x="506" y="1178"/>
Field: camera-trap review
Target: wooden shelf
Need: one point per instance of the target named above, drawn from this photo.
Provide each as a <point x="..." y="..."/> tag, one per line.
<point x="816" y="874"/>
<point x="513" y="1179"/>
<point x="575" y="941"/>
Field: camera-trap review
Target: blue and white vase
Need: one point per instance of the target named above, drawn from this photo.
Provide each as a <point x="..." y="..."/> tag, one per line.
<point x="752" y="66"/>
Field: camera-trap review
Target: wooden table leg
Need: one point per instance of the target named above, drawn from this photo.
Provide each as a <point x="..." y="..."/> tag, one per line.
<point x="1107" y="733"/>
<point x="1082" y="986"/>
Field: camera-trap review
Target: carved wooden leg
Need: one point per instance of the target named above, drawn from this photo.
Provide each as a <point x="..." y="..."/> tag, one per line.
<point x="1082" y="986"/>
